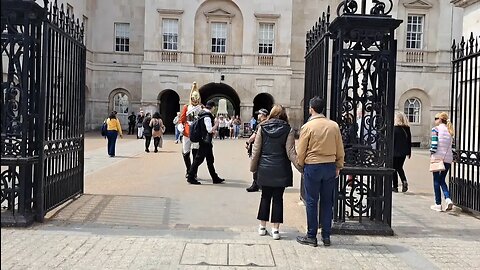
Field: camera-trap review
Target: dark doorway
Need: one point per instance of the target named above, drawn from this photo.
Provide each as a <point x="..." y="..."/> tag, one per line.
<point x="169" y="105"/>
<point x="217" y="91"/>
<point x="262" y="101"/>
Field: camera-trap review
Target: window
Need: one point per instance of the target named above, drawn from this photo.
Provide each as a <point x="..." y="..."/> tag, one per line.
<point x="265" y="38"/>
<point x="415" y="31"/>
<point x="413" y="109"/>
<point x="219" y="37"/>
<point x="122" y="37"/>
<point x="120" y="103"/>
<point x="170" y="34"/>
<point x="70" y="10"/>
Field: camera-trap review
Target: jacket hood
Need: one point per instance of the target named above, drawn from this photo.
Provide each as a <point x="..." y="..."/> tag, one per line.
<point x="275" y="127"/>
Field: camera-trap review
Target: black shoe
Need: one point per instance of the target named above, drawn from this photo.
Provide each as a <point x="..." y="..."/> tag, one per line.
<point x="326" y="242"/>
<point x="193" y="182"/>
<point x="395" y="189"/>
<point x="405" y="187"/>
<point x="218" y="180"/>
<point x="305" y="240"/>
<point x="146" y="150"/>
<point x="252" y="188"/>
<point x="156" y="151"/>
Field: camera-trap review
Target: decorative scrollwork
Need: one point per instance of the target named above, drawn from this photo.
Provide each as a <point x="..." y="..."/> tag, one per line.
<point x="356" y="193"/>
<point x="9" y="187"/>
<point x="351" y="7"/>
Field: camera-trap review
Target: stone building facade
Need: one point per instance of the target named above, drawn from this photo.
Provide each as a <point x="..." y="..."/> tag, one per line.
<point x="145" y="54"/>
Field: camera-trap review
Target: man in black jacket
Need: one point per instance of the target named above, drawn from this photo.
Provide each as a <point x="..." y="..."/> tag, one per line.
<point x="206" y="148"/>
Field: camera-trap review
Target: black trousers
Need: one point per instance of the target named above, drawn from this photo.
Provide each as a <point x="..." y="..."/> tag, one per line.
<point x="398" y="166"/>
<point x="148" y="139"/>
<point x="270" y="194"/>
<point x="156" y="142"/>
<point x="131" y="128"/>
<point x="205" y="151"/>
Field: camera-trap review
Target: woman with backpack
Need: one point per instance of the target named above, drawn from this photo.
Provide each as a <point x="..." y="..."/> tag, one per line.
<point x="147" y="131"/>
<point x="157" y="131"/>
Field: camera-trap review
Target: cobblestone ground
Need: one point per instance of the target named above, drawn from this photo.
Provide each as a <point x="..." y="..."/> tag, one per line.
<point x="138" y="213"/>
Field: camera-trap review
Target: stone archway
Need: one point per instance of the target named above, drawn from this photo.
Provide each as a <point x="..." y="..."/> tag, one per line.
<point x="262" y="101"/>
<point x="168" y="106"/>
<point x="217" y="91"/>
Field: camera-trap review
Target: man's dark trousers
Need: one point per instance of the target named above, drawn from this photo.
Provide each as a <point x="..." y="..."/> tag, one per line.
<point x="319" y="179"/>
<point x="205" y="151"/>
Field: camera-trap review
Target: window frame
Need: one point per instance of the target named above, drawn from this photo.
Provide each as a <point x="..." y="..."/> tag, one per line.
<point x="408" y="105"/>
<point x="225" y="45"/>
<point x="164" y="42"/>
<point x="259" y="38"/>
<point x="126" y="38"/>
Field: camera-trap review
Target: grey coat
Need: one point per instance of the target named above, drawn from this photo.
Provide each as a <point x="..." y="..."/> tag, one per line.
<point x="273" y="150"/>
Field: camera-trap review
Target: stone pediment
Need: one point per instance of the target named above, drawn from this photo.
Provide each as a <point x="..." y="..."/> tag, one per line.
<point x="463" y="3"/>
<point x="418" y="4"/>
<point x="219" y="13"/>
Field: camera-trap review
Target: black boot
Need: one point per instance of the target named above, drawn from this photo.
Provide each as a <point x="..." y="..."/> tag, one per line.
<point x="253" y="188"/>
<point x="404" y="186"/>
<point x="188" y="162"/>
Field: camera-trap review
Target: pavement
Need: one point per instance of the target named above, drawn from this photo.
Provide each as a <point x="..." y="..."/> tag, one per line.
<point x="138" y="212"/>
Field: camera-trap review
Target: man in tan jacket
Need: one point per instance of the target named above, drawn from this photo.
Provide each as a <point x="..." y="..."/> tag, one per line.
<point x="320" y="153"/>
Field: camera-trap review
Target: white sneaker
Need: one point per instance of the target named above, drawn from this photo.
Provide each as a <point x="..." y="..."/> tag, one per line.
<point x="436" y="207"/>
<point x="262" y="230"/>
<point x="275" y="234"/>
<point x="449" y="203"/>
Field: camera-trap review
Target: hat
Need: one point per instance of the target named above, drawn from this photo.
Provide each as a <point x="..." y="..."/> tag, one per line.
<point x="210" y="104"/>
<point x="262" y="111"/>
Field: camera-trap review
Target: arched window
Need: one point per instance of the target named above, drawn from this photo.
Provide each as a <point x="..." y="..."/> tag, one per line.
<point x="120" y="103"/>
<point x="413" y="110"/>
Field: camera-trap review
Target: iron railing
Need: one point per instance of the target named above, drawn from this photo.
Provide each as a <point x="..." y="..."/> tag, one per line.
<point x="42" y="109"/>
<point x="362" y="98"/>
<point x="465" y="113"/>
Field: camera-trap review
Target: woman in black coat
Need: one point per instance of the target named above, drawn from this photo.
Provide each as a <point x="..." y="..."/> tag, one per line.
<point x="402" y="148"/>
<point x="273" y="150"/>
<point x="147" y="131"/>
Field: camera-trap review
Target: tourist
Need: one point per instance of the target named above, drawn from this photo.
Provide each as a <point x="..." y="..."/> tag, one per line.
<point x="273" y="150"/>
<point x="147" y="131"/>
<point x="236" y="126"/>
<point x="157" y="131"/>
<point x="402" y="148"/>
<point x="321" y="154"/>
<point x="140" y="118"/>
<point x="113" y="130"/>
<point x="262" y="116"/>
<point x="441" y="151"/>
<point x="132" y="121"/>
<point x="206" y="147"/>
<point x="178" y="134"/>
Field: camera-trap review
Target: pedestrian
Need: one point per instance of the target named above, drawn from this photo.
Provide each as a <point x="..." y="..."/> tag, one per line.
<point x="441" y="151"/>
<point x="187" y="116"/>
<point x="321" y="154"/>
<point x="262" y="116"/>
<point x="273" y="150"/>
<point x="132" y="121"/>
<point x="147" y="131"/>
<point x="113" y="130"/>
<point x="176" y="121"/>
<point x="158" y="129"/>
<point x="236" y="126"/>
<point x="206" y="147"/>
<point x="253" y="123"/>
<point x="402" y="148"/>
<point x="230" y="127"/>
<point x="222" y="123"/>
<point x="140" y="118"/>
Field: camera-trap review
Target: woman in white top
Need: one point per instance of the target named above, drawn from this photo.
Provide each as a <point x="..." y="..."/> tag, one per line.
<point x="441" y="149"/>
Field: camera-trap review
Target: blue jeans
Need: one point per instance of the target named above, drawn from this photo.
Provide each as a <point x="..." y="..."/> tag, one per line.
<point x="112" y="139"/>
<point x="439" y="181"/>
<point x="236" y="130"/>
<point x="319" y="180"/>
<point x="177" y="133"/>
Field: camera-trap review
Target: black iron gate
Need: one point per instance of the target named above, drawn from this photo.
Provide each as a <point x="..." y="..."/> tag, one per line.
<point x="362" y="100"/>
<point x="465" y="111"/>
<point x="42" y="113"/>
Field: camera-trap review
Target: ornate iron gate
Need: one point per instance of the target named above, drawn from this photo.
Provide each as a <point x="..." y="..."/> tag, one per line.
<point x="42" y="123"/>
<point x="465" y="112"/>
<point x="362" y="100"/>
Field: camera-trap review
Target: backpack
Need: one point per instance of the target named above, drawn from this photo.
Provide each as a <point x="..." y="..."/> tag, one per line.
<point x="196" y="130"/>
<point x="156" y="126"/>
<point x="104" y="128"/>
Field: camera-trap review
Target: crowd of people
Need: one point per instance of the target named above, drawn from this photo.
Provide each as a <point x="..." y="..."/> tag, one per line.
<point x="318" y="154"/>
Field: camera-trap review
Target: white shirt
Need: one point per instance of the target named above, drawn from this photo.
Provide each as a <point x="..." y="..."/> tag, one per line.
<point x="208" y="122"/>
